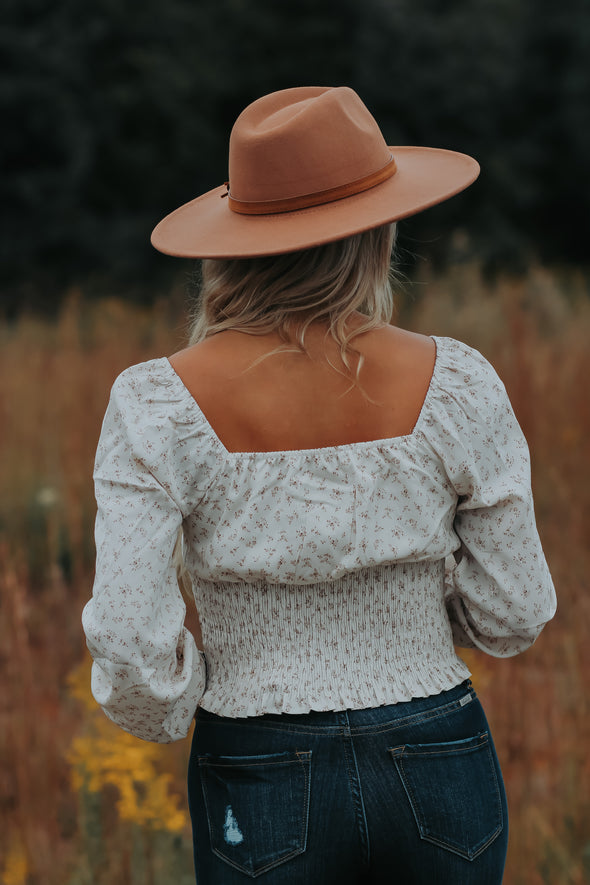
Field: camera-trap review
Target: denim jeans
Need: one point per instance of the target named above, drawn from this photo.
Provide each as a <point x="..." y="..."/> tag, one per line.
<point x="410" y="793"/>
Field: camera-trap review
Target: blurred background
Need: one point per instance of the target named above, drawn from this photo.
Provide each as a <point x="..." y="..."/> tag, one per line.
<point x="113" y="114"/>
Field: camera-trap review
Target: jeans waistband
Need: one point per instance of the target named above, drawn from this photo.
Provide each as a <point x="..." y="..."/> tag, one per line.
<point x="354" y="720"/>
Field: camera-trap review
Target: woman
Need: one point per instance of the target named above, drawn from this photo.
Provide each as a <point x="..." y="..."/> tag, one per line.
<point x="354" y="500"/>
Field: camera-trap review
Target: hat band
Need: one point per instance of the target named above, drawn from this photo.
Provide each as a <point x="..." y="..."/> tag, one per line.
<point x="291" y="204"/>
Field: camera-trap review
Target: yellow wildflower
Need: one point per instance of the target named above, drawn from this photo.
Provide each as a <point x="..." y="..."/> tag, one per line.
<point x="16" y="867"/>
<point x="107" y="756"/>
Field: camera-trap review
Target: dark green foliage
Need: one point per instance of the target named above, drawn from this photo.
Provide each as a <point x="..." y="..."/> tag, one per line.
<point x="115" y="112"/>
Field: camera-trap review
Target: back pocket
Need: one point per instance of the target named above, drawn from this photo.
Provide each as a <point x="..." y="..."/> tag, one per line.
<point x="257" y="807"/>
<point x="453" y="790"/>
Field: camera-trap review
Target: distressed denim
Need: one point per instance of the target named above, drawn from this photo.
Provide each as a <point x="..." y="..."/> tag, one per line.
<point x="410" y="793"/>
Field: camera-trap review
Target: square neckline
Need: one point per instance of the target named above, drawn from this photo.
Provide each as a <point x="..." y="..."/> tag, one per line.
<point x="339" y="447"/>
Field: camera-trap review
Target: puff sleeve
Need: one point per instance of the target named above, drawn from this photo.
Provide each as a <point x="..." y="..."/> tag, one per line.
<point x="147" y="675"/>
<point x="499" y="593"/>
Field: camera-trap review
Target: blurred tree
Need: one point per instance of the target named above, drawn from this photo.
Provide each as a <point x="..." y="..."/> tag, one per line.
<point x="445" y="74"/>
<point x="556" y="126"/>
<point x="115" y="113"/>
<point x="95" y="101"/>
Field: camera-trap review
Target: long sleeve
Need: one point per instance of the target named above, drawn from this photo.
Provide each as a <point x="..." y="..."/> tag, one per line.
<point x="147" y="674"/>
<point x="499" y="593"/>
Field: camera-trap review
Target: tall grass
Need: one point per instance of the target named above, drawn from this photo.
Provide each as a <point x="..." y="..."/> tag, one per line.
<point x="536" y="333"/>
<point x="84" y="804"/>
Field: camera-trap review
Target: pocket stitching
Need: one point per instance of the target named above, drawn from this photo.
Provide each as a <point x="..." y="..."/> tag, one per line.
<point x="455" y="749"/>
<point x="483" y="743"/>
<point x="301" y="761"/>
<point x="206" y="764"/>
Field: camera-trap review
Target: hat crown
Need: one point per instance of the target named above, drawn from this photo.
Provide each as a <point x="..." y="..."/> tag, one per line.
<point x="302" y="141"/>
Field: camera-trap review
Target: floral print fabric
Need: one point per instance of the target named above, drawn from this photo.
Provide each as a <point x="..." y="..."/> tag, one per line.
<point x="325" y="579"/>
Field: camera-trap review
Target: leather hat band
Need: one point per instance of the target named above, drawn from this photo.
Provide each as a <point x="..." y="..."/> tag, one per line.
<point x="291" y="204"/>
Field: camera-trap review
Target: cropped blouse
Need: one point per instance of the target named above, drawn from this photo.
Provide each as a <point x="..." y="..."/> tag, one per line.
<point x="325" y="579"/>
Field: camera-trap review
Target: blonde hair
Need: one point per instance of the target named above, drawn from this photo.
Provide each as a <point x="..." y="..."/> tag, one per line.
<point x="286" y="293"/>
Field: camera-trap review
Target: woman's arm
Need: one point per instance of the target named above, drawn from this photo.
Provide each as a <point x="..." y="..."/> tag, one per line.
<point x="499" y="592"/>
<point x="147" y="675"/>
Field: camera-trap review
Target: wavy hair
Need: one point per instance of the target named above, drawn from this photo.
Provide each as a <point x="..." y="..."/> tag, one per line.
<point x="287" y="293"/>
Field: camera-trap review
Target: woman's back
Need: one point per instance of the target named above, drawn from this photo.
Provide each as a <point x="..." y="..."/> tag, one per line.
<point x="289" y="400"/>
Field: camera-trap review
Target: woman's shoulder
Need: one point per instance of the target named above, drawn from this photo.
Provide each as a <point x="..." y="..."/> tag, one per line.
<point x="152" y="422"/>
<point x="150" y="397"/>
<point x="467" y="399"/>
<point x="153" y="383"/>
<point x="461" y="366"/>
<point x="461" y="377"/>
<point x="144" y="378"/>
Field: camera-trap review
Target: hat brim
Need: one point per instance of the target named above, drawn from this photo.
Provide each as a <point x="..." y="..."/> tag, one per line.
<point x="207" y="228"/>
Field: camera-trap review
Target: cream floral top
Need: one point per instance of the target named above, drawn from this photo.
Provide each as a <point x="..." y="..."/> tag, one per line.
<point x="325" y="579"/>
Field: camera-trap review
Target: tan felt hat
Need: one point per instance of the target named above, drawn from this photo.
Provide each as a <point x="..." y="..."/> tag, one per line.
<point x="308" y="166"/>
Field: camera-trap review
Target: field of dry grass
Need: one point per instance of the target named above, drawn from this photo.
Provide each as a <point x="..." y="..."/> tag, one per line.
<point x="81" y="803"/>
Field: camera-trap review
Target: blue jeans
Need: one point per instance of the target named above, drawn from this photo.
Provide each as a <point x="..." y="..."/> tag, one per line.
<point x="410" y="793"/>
